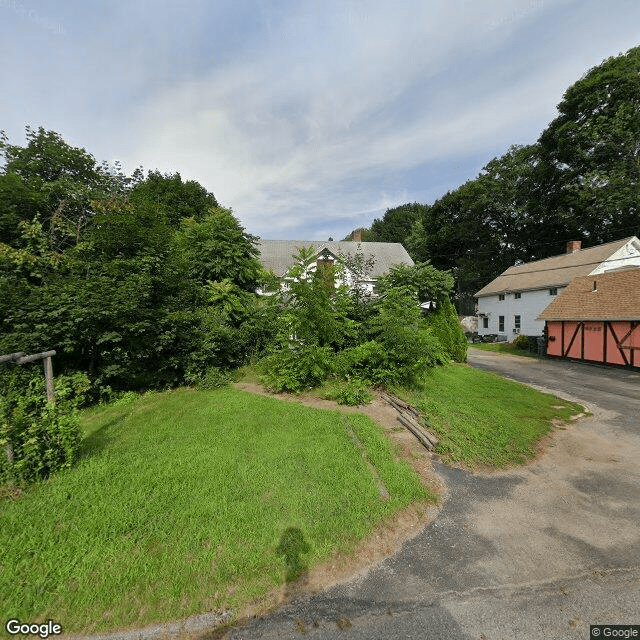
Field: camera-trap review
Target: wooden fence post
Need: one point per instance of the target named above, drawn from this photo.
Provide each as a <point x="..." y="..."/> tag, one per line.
<point x="21" y="358"/>
<point x="48" y="375"/>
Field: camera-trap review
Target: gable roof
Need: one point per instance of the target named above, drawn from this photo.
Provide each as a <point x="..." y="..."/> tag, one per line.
<point x="278" y="255"/>
<point x="556" y="271"/>
<point x="616" y="297"/>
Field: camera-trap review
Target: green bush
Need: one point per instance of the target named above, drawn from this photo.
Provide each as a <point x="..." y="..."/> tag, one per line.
<point x="73" y="389"/>
<point x="410" y="354"/>
<point x="445" y="326"/>
<point x="37" y="437"/>
<point x="212" y="378"/>
<point x="365" y="361"/>
<point x="352" y="393"/>
<point x="409" y="346"/>
<point x="521" y="342"/>
<point x="387" y="342"/>
<point x="296" y="369"/>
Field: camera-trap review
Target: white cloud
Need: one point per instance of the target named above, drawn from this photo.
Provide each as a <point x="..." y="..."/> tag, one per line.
<point x="304" y="124"/>
<point x="273" y="133"/>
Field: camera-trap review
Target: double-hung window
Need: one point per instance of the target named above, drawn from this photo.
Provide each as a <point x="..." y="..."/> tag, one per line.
<point x="501" y="324"/>
<point x="516" y="324"/>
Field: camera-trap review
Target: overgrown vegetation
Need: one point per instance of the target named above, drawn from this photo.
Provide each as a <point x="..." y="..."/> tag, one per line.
<point x="181" y="503"/>
<point x="37" y="437"/>
<point x="327" y="329"/>
<point x="139" y="282"/>
<point x="352" y="392"/>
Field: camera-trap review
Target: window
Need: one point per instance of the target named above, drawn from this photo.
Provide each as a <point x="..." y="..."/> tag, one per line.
<point x="553" y="291"/>
<point x="517" y="295"/>
<point x="485" y="323"/>
<point x="516" y="323"/>
<point x="501" y="324"/>
<point x="501" y="296"/>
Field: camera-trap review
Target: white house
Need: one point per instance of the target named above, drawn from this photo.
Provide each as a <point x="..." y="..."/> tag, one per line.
<point x="279" y="256"/>
<point x="510" y="304"/>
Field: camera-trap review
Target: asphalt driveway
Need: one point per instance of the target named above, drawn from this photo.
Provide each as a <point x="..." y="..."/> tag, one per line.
<point x="538" y="552"/>
<point x="608" y="389"/>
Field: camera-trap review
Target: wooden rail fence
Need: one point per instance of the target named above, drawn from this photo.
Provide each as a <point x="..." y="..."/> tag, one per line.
<point x="21" y="358"/>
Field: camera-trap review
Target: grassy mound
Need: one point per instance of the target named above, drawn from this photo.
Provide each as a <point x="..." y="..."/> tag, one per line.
<point x="188" y="501"/>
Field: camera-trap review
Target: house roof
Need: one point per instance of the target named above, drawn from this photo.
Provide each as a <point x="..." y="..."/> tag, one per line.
<point x="279" y="255"/>
<point x="616" y="297"/>
<point x="556" y="271"/>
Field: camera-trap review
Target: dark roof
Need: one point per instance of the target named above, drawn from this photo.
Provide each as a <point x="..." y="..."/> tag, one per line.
<point x="279" y="255"/>
<point x="556" y="271"/>
<point x="606" y="296"/>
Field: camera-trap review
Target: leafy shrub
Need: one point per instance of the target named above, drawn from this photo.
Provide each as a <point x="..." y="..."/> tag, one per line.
<point x="378" y="341"/>
<point x="445" y="326"/>
<point x="126" y="398"/>
<point x="296" y="369"/>
<point x="412" y="352"/>
<point x="74" y="389"/>
<point x="364" y="361"/>
<point x="37" y="437"/>
<point x="521" y="342"/>
<point x="222" y="342"/>
<point x="212" y="378"/>
<point x="410" y="348"/>
<point x="352" y="393"/>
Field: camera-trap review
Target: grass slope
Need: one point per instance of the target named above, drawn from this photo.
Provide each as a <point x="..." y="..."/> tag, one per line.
<point x="484" y="419"/>
<point x="504" y="347"/>
<point x="181" y="505"/>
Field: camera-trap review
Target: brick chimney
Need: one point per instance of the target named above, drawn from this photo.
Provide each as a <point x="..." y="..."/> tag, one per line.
<point x="574" y="245"/>
<point x="356" y="236"/>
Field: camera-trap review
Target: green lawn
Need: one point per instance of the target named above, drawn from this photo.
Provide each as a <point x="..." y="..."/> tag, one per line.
<point x="484" y="419"/>
<point x="181" y="504"/>
<point x="503" y="347"/>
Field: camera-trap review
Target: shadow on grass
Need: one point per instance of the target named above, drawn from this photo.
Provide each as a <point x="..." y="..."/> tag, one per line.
<point x="292" y="546"/>
<point x="99" y="439"/>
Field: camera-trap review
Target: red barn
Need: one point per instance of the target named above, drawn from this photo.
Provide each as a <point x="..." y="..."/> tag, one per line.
<point x="597" y="319"/>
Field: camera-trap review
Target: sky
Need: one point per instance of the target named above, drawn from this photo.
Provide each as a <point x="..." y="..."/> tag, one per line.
<point x="307" y="118"/>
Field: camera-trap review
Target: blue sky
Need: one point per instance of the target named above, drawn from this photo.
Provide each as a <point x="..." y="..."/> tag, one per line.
<point x="307" y="118"/>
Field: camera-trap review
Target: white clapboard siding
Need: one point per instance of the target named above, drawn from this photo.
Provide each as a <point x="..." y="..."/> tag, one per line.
<point x="529" y="306"/>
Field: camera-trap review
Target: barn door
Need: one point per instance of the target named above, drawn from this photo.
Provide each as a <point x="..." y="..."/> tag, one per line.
<point x="573" y="340"/>
<point x="626" y="345"/>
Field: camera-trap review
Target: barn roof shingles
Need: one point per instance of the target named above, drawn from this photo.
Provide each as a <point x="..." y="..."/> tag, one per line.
<point x="616" y="297"/>
<point x="552" y="272"/>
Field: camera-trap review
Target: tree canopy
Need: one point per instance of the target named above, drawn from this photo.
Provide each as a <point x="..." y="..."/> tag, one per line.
<point x="579" y="181"/>
<point x="129" y="278"/>
<point x="396" y="224"/>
